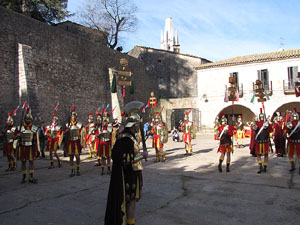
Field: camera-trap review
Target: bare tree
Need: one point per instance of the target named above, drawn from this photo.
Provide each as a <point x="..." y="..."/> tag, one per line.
<point x="112" y="16"/>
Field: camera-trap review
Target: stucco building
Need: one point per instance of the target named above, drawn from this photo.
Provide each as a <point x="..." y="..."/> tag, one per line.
<point x="277" y="70"/>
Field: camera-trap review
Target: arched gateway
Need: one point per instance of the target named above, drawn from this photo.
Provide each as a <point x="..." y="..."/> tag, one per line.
<point x="237" y="110"/>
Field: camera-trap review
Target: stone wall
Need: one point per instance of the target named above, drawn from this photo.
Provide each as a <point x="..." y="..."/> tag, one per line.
<point x="59" y="67"/>
<point x="172" y="74"/>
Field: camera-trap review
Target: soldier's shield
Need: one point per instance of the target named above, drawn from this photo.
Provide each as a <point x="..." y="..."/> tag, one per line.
<point x="60" y="139"/>
<point x="38" y="142"/>
<point x="164" y="135"/>
<point x="83" y="136"/>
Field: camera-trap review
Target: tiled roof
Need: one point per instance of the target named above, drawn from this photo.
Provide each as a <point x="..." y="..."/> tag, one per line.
<point x="255" y="58"/>
<point x="162" y="50"/>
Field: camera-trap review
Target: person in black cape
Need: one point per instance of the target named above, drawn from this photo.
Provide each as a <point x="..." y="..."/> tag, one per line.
<point x="126" y="177"/>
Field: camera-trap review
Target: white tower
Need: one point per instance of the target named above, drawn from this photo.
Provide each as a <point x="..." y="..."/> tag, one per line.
<point x="167" y="39"/>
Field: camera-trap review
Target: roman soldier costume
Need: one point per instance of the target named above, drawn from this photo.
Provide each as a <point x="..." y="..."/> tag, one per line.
<point x="278" y="135"/>
<point x="216" y="127"/>
<point x="240" y="133"/>
<point x="160" y="137"/>
<point x="262" y="129"/>
<point x="53" y="133"/>
<point x="73" y="146"/>
<point x="188" y="134"/>
<point x="90" y="134"/>
<point x="97" y="138"/>
<point x="225" y="133"/>
<point x="28" y="146"/>
<point x="126" y="178"/>
<point x="9" y="132"/>
<point x="252" y="137"/>
<point x="292" y="129"/>
<point x="104" y="133"/>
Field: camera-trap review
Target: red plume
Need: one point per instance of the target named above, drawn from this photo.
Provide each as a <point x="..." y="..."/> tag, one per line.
<point x="27" y="110"/>
<point x="260" y="110"/>
<point x="222" y="114"/>
<point x="90" y="114"/>
<point x="54" y="113"/>
<point x="295" y="110"/>
<point x="9" y="114"/>
<point x="123" y="113"/>
<point x="73" y="108"/>
<point x="157" y="113"/>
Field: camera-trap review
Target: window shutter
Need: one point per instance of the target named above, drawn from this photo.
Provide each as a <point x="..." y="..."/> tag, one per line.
<point x="259" y="75"/>
<point x="267" y="77"/>
<point x="295" y="73"/>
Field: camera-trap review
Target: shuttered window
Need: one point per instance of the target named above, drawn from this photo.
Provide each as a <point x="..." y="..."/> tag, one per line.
<point x="263" y="75"/>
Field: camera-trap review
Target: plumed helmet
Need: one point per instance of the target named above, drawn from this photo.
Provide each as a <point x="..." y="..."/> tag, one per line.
<point x="99" y="117"/>
<point x="55" y="116"/>
<point x="91" y="116"/>
<point x="223" y="119"/>
<point x="157" y="116"/>
<point x="261" y="115"/>
<point x="294" y="115"/>
<point x="131" y="114"/>
<point x="106" y="117"/>
<point x="239" y="118"/>
<point x="10" y="118"/>
<point x="73" y="112"/>
<point x="186" y="115"/>
<point x="28" y="114"/>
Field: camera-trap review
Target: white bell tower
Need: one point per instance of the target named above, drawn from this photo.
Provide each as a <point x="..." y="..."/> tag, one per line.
<point x="168" y="41"/>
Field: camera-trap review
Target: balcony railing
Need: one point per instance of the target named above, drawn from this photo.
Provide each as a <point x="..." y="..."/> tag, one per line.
<point x="288" y="87"/>
<point x="268" y="88"/>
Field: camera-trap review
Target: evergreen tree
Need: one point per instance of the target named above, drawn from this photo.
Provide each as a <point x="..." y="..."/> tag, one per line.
<point x="48" y="11"/>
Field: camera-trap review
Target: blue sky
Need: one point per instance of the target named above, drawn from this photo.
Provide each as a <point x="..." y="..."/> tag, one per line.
<point x="216" y="29"/>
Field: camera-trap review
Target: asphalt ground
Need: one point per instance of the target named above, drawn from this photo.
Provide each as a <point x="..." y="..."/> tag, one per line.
<point x="182" y="190"/>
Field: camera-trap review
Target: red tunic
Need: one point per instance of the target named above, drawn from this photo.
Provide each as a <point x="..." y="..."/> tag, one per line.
<point x="52" y="143"/>
<point x="89" y="138"/>
<point x="293" y="146"/>
<point x="156" y="137"/>
<point x="73" y="147"/>
<point x="8" y="148"/>
<point x="225" y="140"/>
<point x="105" y="146"/>
<point x="262" y="146"/>
<point x="27" y="152"/>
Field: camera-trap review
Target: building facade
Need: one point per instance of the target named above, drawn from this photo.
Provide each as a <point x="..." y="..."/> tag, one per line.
<point x="173" y="80"/>
<point x="277" y="70"/>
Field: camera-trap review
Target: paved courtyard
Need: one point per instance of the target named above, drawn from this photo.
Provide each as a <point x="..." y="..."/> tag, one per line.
<point x="182" y="190"/>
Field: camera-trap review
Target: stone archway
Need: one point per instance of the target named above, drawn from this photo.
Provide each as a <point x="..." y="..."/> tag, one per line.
<point x="287" y="106"/>
<point x="245" y="112"/>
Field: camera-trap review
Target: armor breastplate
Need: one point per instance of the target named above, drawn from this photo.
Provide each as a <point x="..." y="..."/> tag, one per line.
<point x="136" y="166"/>
<point x="106" y="134"/>
<point x="158" y="130"/>
<point x="187" y="127"/>
<point x="240" y="126"/>
<point x="75" y="132"/>
<point x="27" y="136"/>
<point x="225" y="139"/>
<point x="295" y="138"/>
<point x="263" y="136"/>
<point x="9" y="136"/>
<point x="91" y="128"/>
<point x="54" y="131"/>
